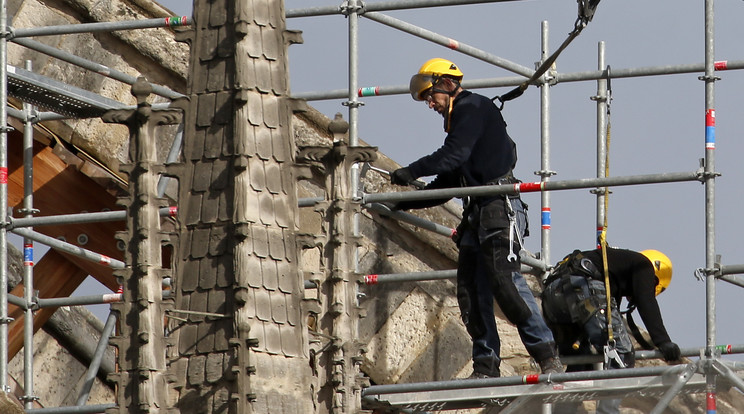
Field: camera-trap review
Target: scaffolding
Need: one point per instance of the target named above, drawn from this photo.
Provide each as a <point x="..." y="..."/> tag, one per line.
<point x="506" y="394"/>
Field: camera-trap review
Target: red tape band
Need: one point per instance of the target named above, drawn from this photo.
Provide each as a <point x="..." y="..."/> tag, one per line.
<point x="530" y="379"/>
<point x="3" y="175"/>
<point x="370" y="279"/>
<point x="710" y="400"/>
<point x="454" y="44"/>
<point x="528" y="187"/>
<point x="173" y="211"/>
<point x="710" y="117"/>
<point x="720" y="65"/>
<point x="454" y="233"/>
<point x="105" y="260"/>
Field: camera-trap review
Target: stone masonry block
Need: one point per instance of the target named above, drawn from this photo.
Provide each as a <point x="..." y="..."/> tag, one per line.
<point x="196" y="369"/>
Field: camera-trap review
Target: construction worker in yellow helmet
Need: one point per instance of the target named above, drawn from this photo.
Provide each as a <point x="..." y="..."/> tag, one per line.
<point x="575" y="307"/>
<point x="478" y="151"/>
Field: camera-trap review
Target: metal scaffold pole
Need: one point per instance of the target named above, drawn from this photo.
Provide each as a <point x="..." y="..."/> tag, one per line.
<point x="710" y="174"/>
<point x="28" y="254"/>
<point x="4" y="320"/>
<point x="602" y="159"/>
<point x="545" y="173"/>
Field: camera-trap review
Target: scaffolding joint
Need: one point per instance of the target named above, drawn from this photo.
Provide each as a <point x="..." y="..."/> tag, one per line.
<point x="346" y="9"/>
<point x="352" y="104"/>
<point x="28" y="398"/>
<point x="26" y="211"/>
<point x="709" y="78"/>
<point x="545" y="173"/>
<point x="598" y="98"/>
<point x="9" y="34"/>
<point x="601" y="191"/>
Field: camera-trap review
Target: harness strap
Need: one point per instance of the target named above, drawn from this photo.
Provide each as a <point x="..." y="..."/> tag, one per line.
<point x="635" y="330"/>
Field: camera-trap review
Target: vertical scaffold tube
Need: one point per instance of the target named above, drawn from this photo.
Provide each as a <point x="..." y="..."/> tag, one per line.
<point x="601" y="99"/>
<point x="545" y="173"/>
<point x="28" y="255"/>
<point x="4" y="197"/>
<point x="710" y="144"/>
<point x="354" y="104"/>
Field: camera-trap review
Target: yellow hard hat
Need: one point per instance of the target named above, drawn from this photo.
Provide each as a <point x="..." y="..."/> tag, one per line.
<point x="662" y="268"/>
<point x="428" y="75"/>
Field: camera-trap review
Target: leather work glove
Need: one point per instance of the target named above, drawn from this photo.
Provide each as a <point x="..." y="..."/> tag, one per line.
<point x="670" y="350"/>
<point x="402" y="176"/>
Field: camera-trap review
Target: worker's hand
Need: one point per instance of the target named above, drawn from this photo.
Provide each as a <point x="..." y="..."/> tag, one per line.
<point x="670" y="350"/>
<point x="402" y="176"/>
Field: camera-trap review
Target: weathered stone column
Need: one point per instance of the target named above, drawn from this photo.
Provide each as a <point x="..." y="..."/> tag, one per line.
<point x="142" y="378"/>
<point x="343" y="357"/>
<point x="243" y="346"/>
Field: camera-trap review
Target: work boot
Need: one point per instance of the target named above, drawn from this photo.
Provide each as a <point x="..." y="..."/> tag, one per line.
<point x="480" y="375"/>
<point x="551" y="365"/>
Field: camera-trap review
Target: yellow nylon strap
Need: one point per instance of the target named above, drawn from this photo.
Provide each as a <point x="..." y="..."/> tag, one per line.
<point x="603" y="238"/>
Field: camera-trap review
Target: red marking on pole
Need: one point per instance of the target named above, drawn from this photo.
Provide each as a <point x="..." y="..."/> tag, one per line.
<point x="120" y="290"/>
<point x="710" y="118"/>
<point x="370" y="279"/>
<point x="454" y="233"/>
<point x="710" y="401"/>
<point x="105" y="260"/>
<point x="112" y="297"/>
<point x="530" y="379"/>
<point x="173" y="211"/>
<point x="454" y="44"/>
<point x="529" y="187"/>
<point x="3" y="175"/>
<point x="720" y="65"/>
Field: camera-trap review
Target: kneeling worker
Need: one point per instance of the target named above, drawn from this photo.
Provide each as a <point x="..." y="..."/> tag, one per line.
<point x="575" y="307"/>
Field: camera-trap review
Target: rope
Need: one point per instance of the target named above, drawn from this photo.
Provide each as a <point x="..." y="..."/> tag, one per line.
<point x="586" y="13"/>
<point x="603" y="234"/>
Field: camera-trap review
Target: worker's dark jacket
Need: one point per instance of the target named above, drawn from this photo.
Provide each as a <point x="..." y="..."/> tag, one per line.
<point x="476" y="151"/>
<point x="632" y="276"/>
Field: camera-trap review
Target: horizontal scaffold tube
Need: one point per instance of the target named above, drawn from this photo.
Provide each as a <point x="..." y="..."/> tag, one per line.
<point x="515" y="81"/>
<point x="93" y="66"/>
<point x="100" y="27"/>
<point x="97" y="217"/>
<point x="383" y="6"/>
<point x="449" y="43"/>
<point x="492" y="190"/>
<point x="70" y="248"/>
<point x="645" y="354"/>
<point x="521" y="380"/>
<point x="411" y="219"/>
<point x="78" y="409"/>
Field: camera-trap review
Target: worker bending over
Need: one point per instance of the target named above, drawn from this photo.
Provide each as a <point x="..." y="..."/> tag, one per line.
<point x="575" y="307"/>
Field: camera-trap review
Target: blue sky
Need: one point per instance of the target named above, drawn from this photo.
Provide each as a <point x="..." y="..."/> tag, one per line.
<point x="658" y="123"/>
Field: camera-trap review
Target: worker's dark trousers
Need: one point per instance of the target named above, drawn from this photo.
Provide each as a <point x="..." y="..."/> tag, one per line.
<point x="475" y="293"/>
<point x="561" y="316"/>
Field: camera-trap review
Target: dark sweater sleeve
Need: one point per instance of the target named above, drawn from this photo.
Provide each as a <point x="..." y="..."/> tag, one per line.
<point x="644" y="297"/>
<point x="467" y="125"/>
<point x="442" y="181"/>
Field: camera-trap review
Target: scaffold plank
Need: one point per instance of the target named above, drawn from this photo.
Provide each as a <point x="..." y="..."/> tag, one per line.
<point x="498" y="398"/>
<point x="56" y="96"/>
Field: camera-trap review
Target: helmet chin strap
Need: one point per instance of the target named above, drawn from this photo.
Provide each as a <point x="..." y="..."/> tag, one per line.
<point x="448" y="116"/>
<point x="451" y="94"/>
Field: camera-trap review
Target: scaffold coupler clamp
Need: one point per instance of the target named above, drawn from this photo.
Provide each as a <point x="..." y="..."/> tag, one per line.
<point x="610" y="355"/>
<point x="346" y="8"/>
<point x="513" y="251"/>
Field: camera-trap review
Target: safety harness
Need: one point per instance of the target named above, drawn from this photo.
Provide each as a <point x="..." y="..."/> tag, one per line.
<point x="586" y="13"/>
